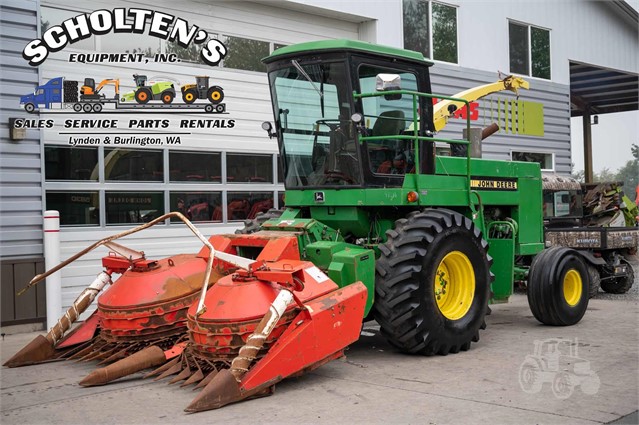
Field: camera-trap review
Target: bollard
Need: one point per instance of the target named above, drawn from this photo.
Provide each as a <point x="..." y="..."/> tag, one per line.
<point x="52" y="259"/>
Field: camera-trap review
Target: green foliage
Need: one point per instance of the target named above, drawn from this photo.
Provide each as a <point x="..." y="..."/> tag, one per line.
<point x="416" y="26"/>
<point x="444" y="33"/>
<point x="540" y="52"/>
<point x="189" y="54"/>
<point x="245" y="54"/>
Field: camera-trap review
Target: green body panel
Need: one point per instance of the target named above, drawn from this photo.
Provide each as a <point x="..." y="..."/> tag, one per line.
<point x="345" y="263"/>
<point x="159" y="87"/>
<point x="156" y="90"/>
<point x="501" y="247"/>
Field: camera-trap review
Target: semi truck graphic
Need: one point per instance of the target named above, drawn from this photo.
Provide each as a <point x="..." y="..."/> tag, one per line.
<point x="62" y="94"/>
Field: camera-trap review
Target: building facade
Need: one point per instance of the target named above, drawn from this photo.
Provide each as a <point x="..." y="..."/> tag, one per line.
<point x="224" y="169"/>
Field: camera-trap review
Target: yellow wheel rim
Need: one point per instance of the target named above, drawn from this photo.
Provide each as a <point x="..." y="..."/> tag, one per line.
<point x="454" y="285"/>
<point x="573" y="287"/>
<point x="189" y="97"/>
<point x="215" y="95"/>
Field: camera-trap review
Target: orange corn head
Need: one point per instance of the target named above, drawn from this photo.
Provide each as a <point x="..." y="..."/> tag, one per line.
<point x="279" y="317"/>
<point x="146" y="306"/>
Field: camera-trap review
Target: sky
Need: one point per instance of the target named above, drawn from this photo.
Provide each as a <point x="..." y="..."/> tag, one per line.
<point x="611" y="140"/>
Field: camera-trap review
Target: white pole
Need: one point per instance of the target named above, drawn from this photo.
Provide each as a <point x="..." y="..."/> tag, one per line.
<point x="52" y="259"/>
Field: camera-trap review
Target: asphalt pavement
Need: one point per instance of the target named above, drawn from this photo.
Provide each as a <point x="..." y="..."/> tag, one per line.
<point x="376" y="384"/>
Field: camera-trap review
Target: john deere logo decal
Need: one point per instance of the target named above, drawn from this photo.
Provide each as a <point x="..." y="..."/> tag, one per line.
<point x="319" y="197"/>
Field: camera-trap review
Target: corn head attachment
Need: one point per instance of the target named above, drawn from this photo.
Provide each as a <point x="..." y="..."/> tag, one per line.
<point x="146" y="306"/>
<point x="278" y="317"/>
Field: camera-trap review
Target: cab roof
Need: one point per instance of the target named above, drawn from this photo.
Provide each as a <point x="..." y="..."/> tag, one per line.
<point x="346" y="45"/>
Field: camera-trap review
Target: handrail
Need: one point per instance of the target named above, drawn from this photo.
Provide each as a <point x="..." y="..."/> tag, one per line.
<point x="416" y="137"/>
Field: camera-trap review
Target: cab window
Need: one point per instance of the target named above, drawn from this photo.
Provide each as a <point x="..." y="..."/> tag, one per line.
<point x="388" y="117"/>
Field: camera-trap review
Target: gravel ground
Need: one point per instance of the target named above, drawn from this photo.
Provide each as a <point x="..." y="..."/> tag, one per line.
<point x="633" y="293"/>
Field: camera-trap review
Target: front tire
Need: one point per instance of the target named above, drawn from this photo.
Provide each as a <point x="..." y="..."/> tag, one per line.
<point x="29" y="107"/>
<point x="620" y="285"/>
<point x="432" y="283"/>
<point x="189" y="96"/>
<point x="558" y="285"/>
<point x="595" y="280"/>
<point x="143" y="95"/>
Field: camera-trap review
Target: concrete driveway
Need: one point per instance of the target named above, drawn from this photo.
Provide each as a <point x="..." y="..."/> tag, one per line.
<point x="376" y="384"/>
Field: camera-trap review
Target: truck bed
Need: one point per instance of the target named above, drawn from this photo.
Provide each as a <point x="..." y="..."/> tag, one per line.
<point x="593" y="237"/>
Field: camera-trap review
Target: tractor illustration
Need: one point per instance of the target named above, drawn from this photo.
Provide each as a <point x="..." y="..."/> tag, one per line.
<point x="143" y="93"/>
<point x="555" y="360"/>
<point x="201" y="90"/>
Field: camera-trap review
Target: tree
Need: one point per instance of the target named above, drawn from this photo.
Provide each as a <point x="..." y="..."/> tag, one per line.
<point x="629" y="174"/>
<point x="244" y="53"/>
<point x="605" y="175"/>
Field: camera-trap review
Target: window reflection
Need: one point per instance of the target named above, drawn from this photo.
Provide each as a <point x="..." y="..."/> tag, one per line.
<point x="70" y="163"/>
<point x="133" y="165"/>
<point x="197" y="206"/>
<point x="195" y="167"/>
<point x="133" y="207"/>
<point x="249" y="168"/>
<point x="243" y="205"/>
<point x="76" y="208"/>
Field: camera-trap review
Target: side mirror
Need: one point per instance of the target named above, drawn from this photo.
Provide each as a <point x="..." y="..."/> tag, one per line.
<point x="268" y="127"/>
<point x="389" y="82"/>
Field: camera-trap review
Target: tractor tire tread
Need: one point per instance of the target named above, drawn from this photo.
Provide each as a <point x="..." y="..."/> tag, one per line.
<point x="400" y="307"/>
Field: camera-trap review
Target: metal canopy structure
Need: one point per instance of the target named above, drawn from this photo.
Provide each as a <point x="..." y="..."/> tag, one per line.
<point x="597" y="90"/>
<point x="601" y="90"/>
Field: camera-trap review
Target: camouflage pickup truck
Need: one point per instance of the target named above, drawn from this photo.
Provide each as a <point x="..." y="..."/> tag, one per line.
<point x="598" y="221"/>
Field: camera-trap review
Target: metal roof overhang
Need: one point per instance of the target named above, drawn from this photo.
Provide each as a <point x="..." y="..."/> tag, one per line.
<point x="601" y="91"/>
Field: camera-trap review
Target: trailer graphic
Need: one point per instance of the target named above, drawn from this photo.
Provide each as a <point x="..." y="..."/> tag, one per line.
<point x="65" y="94"/>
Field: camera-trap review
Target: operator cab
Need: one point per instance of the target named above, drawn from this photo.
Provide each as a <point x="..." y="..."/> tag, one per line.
<point x="319" y="122"/>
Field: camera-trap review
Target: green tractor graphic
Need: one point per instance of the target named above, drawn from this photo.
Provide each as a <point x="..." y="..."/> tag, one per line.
<point x="143" y="93"/>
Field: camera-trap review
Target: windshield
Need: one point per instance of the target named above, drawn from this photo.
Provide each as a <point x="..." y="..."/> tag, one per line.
<point x="564" y="203"/>
<point x="312" y="112"/>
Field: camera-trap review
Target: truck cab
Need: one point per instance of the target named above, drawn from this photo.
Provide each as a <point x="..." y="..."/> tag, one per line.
<point x="46" y="94"/>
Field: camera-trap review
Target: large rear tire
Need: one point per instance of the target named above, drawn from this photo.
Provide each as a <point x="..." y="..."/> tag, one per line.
<point x="255" y="224"/>
<point x="620" y="285"/>
<point x="558" y="286"/>
<point x="432" y="284"/>
<point x="215" y="95"/>
<point x="167" y="97"/>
